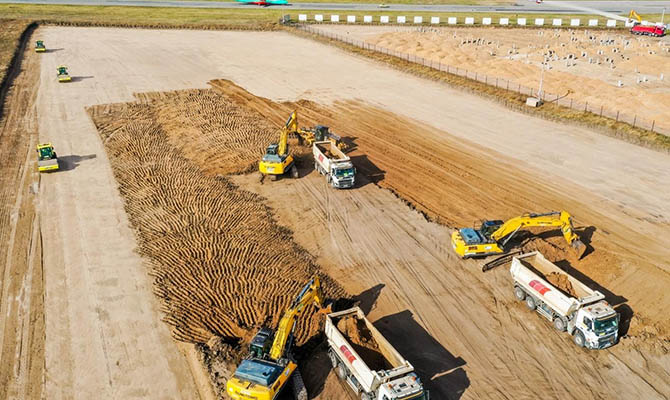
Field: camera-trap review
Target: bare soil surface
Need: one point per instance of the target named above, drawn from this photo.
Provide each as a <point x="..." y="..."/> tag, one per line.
<point x="222" y="265"/>
<point x="584" y="63"/>
<point x="469" y="337"/>
<point x="455" y="183"/>
<point x="365" y="345"/>
<point x="21" y="275"/>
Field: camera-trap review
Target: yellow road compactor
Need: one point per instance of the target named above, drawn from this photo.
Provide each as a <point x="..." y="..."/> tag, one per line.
<point x="47" y="160"/>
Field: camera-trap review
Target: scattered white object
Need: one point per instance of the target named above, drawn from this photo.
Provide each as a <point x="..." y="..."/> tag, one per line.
<point x="401" y="19"/>
<point x="302" y="17"/>
<point x="611" y="22"/>
<point x="435" y="20"/>
<point x="557" y="22"/>
<point x="318" y="18"/>
<point x="384" y="19"/>
<point x="521" y="21"/>
<point x="469" y="21"/>
<point x="593" y="22"/>
<point x="334" y="18"/>
<point x="533" y="102"/>
<point x="486" y="21"/>
<point x="418" y="20"/>
<point x="503" y="21"/>
<point x="351" y="19"/>
<point x="367" y="18"/>
<point x="452" y="20"/>
<point x="539" y="21"/>
<point x="575" y="22"/>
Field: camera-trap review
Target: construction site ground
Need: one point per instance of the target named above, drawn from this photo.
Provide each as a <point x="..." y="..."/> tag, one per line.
<point x="586" y="65"/>
<point x="422" y="149"/>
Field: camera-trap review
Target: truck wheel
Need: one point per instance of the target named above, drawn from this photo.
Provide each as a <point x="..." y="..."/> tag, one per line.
<point x="341" y="371"/>
<point x="559" y="324"/>
<point x="519" y="293"/>
<point x="579" y="339"/>
<point x="333" y="359"/>
<point x="530" y="303"/>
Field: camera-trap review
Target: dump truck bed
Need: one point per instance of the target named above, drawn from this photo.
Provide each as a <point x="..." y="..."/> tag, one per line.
<point x="363" y="359"/>
<point x="331" y="151"/>
<point x="534" y="273"/>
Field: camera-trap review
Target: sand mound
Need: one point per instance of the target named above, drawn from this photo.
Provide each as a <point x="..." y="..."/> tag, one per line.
<point x="561" y="282"/>
<point x="222" y="265"/>
<point x="360" y="337"/>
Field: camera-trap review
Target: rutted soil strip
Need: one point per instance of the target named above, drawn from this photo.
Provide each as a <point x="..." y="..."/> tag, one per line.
<point x="222" y="264"/>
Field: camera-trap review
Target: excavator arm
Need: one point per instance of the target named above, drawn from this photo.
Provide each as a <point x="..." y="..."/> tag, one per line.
<point x="635" y="15"/>
<point x="561" y="219"/>
<point x="311" y="293"/>
<point x="290" y="127"/>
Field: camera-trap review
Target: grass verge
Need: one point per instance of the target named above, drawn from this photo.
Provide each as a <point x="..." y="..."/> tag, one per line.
<point x="509" y="98"/>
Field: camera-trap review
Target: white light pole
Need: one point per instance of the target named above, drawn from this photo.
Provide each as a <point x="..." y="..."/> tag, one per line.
<point x="539" y="90"/>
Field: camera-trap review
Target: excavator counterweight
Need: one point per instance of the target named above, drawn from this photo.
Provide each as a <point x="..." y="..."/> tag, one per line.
<point x="493" y="235"/>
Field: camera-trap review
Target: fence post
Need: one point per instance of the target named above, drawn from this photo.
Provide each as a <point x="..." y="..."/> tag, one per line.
<point x="519" y="90"/>
<point x="508" y="84"/>
<point x="653" y="123"/>
<point x="617" y="116"/>
<point x="475" y="75"/>
<point x="486" y="79"/>
<point x="601" y="111"/>
<point x="634" y="120"/>
<point x="586" y="105"/>
<point x="570" y="103"/>
<point x="496" y="82"/>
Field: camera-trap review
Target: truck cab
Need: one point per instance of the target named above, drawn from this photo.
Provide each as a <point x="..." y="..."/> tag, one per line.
<point x="596" y="326"/>
<point x="342" y="175"/>
<point x="406" y="388"/>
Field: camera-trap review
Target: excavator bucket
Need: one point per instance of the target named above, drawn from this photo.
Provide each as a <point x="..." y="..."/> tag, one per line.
<point x="579" y="248"/>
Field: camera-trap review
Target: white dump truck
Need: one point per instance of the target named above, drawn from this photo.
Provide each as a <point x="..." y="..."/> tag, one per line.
<point x="330" y="161"/>
<point x="572" y="306"/>
<point x="383" y="375"/>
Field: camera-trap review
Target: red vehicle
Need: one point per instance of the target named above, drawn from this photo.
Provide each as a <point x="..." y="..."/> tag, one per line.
<point x="648" y="30"/>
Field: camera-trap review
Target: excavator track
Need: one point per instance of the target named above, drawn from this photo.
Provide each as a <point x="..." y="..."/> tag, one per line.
<point x="298" y="385"/>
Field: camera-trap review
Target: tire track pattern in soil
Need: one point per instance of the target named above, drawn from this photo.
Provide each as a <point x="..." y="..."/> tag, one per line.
<point x="222" y="265"/>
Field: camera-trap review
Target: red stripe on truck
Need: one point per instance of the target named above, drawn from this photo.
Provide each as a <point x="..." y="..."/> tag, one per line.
<point x="347" y="354"/>
<point x="539" y="287"/>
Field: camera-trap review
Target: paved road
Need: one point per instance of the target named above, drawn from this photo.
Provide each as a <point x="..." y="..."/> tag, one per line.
<point x="562" y="7"/>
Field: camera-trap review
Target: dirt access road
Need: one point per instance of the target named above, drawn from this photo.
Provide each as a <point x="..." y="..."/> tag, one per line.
<point x="97" y="294"/>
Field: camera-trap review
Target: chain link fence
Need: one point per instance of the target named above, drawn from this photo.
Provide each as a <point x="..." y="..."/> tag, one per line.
<point x="662" y="127"/>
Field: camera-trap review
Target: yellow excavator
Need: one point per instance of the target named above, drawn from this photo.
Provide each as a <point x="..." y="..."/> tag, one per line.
<point x="270" y="364"/>
<point x="277" y="160"/>
<point x="308" y="136"/>
<point x="493" y="235"/>
<point x="635" y="15"/>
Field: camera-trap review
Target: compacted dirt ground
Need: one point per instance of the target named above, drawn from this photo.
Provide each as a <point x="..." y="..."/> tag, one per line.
<point x="451" y="156"/>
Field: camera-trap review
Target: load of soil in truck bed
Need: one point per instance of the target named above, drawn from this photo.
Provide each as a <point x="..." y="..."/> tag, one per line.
<point x="561" y="282"/>
<point x="360" y="337"/>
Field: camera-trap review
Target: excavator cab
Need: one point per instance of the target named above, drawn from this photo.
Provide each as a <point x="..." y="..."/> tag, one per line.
<point x="489" y="226"/>
<point x="260" y="344"/>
